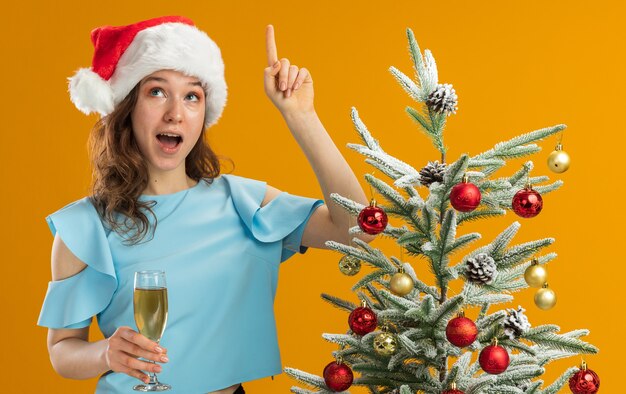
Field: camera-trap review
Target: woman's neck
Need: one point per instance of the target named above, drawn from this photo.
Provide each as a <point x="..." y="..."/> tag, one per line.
<point x="167" y="184"/>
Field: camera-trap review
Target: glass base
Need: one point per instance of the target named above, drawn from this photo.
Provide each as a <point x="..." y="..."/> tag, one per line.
<point x="152" y="387"/>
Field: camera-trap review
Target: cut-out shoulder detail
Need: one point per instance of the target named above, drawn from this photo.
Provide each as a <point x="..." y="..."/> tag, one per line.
<point x="64" y="263"/>
<point x="85" y="291"/>
<point x="270" y="194"/>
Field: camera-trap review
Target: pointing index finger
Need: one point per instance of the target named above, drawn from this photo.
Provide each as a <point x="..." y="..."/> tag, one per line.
<point x="270" y="43"/>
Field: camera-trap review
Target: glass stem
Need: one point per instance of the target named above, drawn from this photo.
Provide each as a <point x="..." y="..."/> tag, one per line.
<point x="153" y="376"/>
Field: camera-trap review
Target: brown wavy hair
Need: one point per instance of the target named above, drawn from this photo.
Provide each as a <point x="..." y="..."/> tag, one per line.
<point x="120" y="174"/>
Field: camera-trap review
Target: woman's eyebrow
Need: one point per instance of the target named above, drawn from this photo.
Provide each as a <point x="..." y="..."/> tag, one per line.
<point x="154" y="79"/>
<point x="158" y="79"/>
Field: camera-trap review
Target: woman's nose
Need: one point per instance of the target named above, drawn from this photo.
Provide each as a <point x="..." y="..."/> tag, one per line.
<point x="174" y="112"/>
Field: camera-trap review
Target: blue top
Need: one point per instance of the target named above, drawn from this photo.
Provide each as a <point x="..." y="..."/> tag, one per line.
<point x="220" y="251"/>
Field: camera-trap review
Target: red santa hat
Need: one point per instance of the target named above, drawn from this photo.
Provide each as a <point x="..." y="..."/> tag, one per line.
<point x="124" y="55"/>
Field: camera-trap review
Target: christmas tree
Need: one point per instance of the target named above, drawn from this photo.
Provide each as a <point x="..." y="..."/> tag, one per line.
<point x="409" y="337"/>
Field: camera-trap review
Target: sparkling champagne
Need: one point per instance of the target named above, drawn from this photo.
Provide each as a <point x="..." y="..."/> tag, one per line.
<point x="151" y="311"/>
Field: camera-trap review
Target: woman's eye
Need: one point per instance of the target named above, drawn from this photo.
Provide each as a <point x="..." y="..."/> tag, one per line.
<point x="193" y="97"/>
<point x="156" y="92"/>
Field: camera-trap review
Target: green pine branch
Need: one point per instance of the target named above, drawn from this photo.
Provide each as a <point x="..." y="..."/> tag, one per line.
<point x="308" y="379"/>
<point x="445" y="311"/>
<point x="479" y="385"/>
<point x="342" y="340"/>
<point x="432" y="125"/>
<point x="412" y="89"/>
<point x="298" y="390"/>
<point x="562" y="342"/>
<point x="375" y="295"/>
<point x="367" y="279"/>
<point x="478" y="214"/>
<point x="502" y="150"/>
<point x="534" y="387"/>
<point x="338" y="302"/>
<point x="560" y="382"/>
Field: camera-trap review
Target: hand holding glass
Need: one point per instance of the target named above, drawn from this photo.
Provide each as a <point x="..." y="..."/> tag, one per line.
<point x="150" y="305"/>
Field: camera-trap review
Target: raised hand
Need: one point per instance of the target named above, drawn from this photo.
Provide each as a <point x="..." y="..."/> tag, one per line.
<point x="290" y="88"/>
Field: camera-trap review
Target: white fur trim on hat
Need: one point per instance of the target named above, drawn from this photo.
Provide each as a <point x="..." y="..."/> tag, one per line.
<point x="90" y="93"/>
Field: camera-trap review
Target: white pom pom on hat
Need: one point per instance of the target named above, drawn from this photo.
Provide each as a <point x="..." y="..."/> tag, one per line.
<point x="124" y="55"/>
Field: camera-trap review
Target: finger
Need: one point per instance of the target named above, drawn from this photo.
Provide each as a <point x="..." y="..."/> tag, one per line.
<point x="133" y="336"/>
<point x="131" y="366"/>
<point x="136" y="374"/>
<point x="136" y="364"/>
<point x="293" y="74"/>
<point x="136" y="351"/>
<point x="270" y="44"/>
<point x="273" y="70"/>
<point x="270" y="79"/>
<point x="303" y="74"/>
<point x="283" y="74"/>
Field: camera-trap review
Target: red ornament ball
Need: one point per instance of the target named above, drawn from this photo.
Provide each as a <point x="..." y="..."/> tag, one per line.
<point x="465" y="197"/>
<point x="461" y="331"/>
<point x="494" y="359"/>
<point x="585" y="381"/>
<point x="527" y="203"/>
<point x="372" y="219"/>
<point x="362" y="320"/>
<point x="338" y="376"/>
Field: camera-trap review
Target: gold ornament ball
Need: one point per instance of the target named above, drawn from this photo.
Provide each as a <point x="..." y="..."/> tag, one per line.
<point x="401" y="284"/>
<point x="385" y="344"/>
<point x="545" y="298"/>
<point x="349" y="265"/>
<point x="536" y="275"/>
<point x="558" y="160"/>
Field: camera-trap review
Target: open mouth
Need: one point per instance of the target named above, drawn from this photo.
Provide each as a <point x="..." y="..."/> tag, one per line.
<point x="169" y="140"/>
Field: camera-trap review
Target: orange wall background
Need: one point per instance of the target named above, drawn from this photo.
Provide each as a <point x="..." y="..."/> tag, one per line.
<point x="516" y="67"/>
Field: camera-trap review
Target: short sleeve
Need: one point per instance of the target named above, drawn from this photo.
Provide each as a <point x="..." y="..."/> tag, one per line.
<point x="72" y="302"/>
<point x="282" y="219"/>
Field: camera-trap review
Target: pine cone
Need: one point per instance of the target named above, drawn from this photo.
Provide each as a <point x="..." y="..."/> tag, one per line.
<point x="433" y="172"/>
<point x="443" y="99"/>
<point x="481" y="269"/>
<point x="516" y="323"/>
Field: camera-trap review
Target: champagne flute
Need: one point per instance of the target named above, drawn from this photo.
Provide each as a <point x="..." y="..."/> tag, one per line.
<point x="150" y="306"/>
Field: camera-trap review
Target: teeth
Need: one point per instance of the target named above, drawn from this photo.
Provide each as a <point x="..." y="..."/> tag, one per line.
<point x="170" y="135"/>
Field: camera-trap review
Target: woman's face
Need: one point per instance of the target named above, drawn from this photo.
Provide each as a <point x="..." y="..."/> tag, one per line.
<point x="167" y="119"/>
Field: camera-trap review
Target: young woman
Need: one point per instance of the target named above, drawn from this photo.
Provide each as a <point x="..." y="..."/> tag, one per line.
<point x="159" y="201"/>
